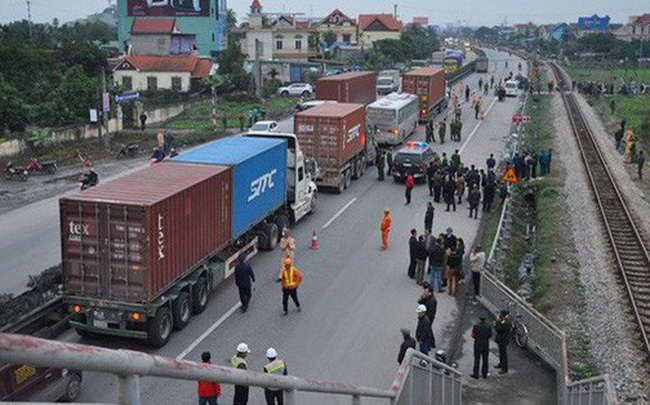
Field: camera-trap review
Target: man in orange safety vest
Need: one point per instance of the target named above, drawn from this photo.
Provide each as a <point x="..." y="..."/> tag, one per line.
<point x="385" y="228"/>
<point x="291" y="279"/>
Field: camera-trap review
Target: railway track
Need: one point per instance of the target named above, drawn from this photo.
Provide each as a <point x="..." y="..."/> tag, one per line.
<point x="630" y="251"/>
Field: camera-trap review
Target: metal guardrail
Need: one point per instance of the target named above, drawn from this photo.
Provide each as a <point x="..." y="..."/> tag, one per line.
<point x="423" y="380"/>
<point x="420" y="380"/>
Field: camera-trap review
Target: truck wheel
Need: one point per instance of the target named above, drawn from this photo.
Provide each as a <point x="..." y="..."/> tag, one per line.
<point x="356" y="169"/>
<point x="348" y="178"/>
<point x="181" y="310"/>
<point x="282" y="222"/>
<point x="200" y="296"/>
<point x="272" y="236"/>
<point x="341" y="185"/>
<point x="73" y="388"/>
<point x="160" y="328"/>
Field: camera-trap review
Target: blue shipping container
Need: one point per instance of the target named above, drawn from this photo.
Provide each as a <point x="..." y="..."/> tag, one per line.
<point x="259" y="170"/>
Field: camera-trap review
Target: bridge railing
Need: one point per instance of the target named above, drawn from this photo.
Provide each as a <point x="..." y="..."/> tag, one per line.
<point x="420" y="379"/>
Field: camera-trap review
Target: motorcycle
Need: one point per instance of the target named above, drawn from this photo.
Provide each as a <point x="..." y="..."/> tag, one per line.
<point x="48" y="167"/>
<point x="15" y="172"/>
<point x="128" y="150"/>
<point x="87" y="180"/>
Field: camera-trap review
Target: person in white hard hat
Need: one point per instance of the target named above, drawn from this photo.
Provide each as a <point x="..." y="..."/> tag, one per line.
<point x="275" y="366"/>
<point x="239" y="361"/>
<point x="424" y="332"/>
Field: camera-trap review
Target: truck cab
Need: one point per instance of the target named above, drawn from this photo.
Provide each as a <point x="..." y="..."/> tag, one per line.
<point x="301" y="172"/>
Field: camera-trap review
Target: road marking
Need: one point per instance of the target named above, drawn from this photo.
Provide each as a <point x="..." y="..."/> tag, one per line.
<point x="207" y="333"/>
<point x="345" y="207"/>
<point x="469" y="138"/>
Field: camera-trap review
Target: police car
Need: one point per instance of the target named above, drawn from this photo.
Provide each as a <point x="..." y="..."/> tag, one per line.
<point x="413" y="159"/>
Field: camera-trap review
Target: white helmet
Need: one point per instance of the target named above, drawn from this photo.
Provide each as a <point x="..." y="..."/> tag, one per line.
<point x="420" y="309"/>
<point x="271" y="353"/>
<point x="243" y="348"/>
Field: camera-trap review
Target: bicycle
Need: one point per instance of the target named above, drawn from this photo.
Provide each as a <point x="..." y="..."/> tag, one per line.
<point x="518" y="330"/>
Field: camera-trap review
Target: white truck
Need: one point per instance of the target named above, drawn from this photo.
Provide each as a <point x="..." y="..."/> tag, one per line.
<point x="388" y="81"/>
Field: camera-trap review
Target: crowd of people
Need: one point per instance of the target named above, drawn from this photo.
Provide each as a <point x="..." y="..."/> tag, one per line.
<point x="625" y="137"/>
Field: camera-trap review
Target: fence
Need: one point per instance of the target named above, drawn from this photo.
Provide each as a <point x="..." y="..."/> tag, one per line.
<point x="420" y="380"/>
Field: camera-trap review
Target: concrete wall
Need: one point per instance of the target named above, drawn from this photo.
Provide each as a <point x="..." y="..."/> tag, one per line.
<point x="139" y="79"/>
<point x="368" y="37"/>
<point x="151" y="45"/>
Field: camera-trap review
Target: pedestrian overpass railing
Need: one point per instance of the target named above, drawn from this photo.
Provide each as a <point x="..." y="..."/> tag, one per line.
<point x="592" y="391"/>
<point x="420" y="380"/>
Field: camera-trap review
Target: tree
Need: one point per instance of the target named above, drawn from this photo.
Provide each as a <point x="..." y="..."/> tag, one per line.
<point x="422" y="42"/>
<point x="231" y="67"/>
<point x="231" y="19"/>
<point x="89" y="56"/>
<point x="75" y="95"/>
<point x="329" y="37"/>
<point x="313" y="41"/>
<point x="394" y="50"/>
<point x="13" y="111"/>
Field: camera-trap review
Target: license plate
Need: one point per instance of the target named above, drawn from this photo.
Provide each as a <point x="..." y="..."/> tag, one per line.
<point x="100" y="324"/>
<point x="24" y="373"/>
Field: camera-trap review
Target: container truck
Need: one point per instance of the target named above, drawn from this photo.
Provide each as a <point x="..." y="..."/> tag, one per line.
<point x="430" y="87"/>
<point x="482" y="64"/>
<point x="388" y="81"/>
<point x="352" y="87"/>
<point x="141" y="253"/>
<point x="334" y="135"/>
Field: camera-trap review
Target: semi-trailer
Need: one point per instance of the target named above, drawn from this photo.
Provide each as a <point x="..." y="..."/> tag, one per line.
<point x="141" y="253"/>
<point x="430" y="87"/>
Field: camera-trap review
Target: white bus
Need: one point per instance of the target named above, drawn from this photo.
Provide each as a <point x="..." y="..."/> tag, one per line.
<point x="393" y="118"/>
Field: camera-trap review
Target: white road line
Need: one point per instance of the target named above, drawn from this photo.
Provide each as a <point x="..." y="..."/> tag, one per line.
<point x="207" y="333"/>
<point x="469" y="138"/>
<point x="345" y="207"/>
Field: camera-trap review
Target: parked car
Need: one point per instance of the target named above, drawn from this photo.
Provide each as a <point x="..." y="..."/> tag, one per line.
<point x="28" y="383"/>
<point x="313" y="103"/>
<point x="264" y="126"/>
<point x="296" y="89"/>
<point x="413" y="159"/>
<point x="512" y="88"/>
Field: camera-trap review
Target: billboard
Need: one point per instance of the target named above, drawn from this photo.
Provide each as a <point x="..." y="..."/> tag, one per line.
<point x="168" y="8"/>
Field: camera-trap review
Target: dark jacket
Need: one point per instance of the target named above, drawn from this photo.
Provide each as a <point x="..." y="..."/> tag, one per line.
<point x="474" y="197"/>
<point x="491" y="163"/>
<point x="408" y="342"/>
<point x="449" y="189"/>
<point x="482" y="332"/>
<point x="243" y="275"/>
<point x="423" y="332"/>
<point x="502" y="330"/>
<point x="437" y="256"/>
<point x="432" y="306"/>
<point x="420" y="252"/>
<point x="413" y="241"/>
<point x="454" y="260"/>
<point x="428" y="218"/>
<point x="451" y="241"/>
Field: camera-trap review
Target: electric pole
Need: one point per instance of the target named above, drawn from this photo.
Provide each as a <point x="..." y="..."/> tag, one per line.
<point x="29" y="17"/>
<point x="395" y="11"/>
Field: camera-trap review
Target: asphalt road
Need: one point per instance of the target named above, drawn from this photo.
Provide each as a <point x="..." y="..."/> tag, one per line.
<point x="355" y="297"/>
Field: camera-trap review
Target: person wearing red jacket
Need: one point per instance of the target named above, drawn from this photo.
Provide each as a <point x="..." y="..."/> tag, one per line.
<point x="209" y="392"/>
<point x="410" y="182"/>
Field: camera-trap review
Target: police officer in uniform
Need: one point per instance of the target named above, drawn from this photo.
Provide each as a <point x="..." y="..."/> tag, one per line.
<point x="275" y="366"/>
<point x="481" y="332"/>
<point x="239" y="361"/>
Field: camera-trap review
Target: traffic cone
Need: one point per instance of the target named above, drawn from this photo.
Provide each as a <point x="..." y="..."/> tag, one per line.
<point x="314" y="241"/>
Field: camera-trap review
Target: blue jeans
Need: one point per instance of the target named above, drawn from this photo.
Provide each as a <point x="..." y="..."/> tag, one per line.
<point x="208" y="401"/>
<point x="436" y="278"/>
<point x="425" y="347"/>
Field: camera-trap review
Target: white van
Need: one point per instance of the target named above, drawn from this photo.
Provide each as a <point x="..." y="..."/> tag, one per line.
<point x="512" y="88"/>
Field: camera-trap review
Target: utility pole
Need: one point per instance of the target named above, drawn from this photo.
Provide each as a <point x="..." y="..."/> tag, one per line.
<point x="258" y="69"/>
<point x="29" y="17"/>
<point x="105" y="114"/>
<point x="395" y="11"/>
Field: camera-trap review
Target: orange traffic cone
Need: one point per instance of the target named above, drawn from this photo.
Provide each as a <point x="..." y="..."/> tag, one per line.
<point x="314" y="241"/>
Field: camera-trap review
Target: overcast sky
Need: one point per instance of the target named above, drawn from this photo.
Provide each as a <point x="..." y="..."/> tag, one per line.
<point x="468" y="12"/>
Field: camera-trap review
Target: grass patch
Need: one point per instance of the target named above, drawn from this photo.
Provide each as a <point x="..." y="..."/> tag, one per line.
<point x="199" y="117"/>
<point x="634" y="109"/>
<point x="607" y="74"/>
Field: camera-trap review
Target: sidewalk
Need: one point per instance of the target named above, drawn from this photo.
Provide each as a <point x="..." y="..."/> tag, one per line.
<point x="528" y="381"/>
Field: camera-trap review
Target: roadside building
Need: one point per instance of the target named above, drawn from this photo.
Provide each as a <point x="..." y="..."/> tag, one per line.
<point x="526" y="30"/>
<point x="160" y="37"/>
<point x="204" y="18"/>
<point x="375" y="27"/>
<point x="276" y="37"/>
<point x="149" y="73"/>
<point x="344" y="27"/>
<point x="637" y="28"/>
<point x="593" y="25"/>
<point x="421" y="21"/>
